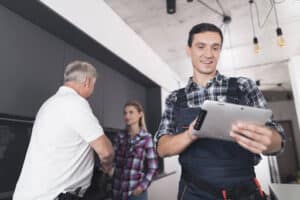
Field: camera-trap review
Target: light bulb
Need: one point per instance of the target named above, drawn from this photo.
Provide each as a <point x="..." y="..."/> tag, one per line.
<point x="280" y="39"/>
<point x="256" y="48"/>
<point x="256" y="45"/>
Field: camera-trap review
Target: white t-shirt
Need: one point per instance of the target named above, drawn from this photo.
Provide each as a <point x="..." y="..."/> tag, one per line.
<point x="59" y="157"/>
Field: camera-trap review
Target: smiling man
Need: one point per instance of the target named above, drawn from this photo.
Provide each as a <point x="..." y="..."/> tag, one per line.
<point x="215" y="169"/>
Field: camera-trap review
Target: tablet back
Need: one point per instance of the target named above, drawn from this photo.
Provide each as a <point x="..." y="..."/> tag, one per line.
<point x="220" y="117"/>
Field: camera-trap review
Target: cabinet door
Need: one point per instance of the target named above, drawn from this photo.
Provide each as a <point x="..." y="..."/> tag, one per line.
<point x="31" y="65"/>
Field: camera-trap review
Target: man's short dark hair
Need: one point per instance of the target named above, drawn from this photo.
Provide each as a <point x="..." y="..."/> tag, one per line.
<point x="201" y="28"/>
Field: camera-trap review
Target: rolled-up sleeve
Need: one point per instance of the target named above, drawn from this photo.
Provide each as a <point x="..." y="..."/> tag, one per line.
<point x="167" y="124"/>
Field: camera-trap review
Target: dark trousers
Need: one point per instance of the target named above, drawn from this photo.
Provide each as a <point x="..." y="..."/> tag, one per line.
<point x="188" y="191"/>
<point x="68" y="196"/>
<point x="143" y="196"/>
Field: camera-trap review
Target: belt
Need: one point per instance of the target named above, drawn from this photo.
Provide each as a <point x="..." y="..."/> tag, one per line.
<point x="70" y="196"/>
<point x="235" y="192"/>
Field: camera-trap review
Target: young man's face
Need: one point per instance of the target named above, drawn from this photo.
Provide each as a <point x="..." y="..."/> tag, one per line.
<point x="205" y="52"/>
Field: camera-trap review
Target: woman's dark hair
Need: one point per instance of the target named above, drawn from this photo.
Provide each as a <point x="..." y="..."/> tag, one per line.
<point x="203" y="27"/>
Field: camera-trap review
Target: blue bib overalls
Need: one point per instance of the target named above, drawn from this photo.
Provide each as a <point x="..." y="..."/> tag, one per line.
<point x="207" y="164"/>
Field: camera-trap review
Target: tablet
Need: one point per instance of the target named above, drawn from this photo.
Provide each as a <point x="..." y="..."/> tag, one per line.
<point x="220" y="116"/>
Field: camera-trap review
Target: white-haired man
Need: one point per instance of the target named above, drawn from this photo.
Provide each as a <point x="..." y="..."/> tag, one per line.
<point x="59" y="161"/>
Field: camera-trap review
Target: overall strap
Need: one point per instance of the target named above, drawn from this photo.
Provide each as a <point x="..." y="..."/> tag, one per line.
<point x="234" y="92"/>
<point x="233" y="88"/>
<point x="181" y="99"/>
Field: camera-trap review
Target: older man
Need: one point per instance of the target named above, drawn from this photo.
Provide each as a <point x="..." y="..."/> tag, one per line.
<point x="59" y="161"/>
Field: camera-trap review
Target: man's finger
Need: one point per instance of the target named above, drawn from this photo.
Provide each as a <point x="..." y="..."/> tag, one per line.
<point x="252" y="149"/>
<point x="248" y="143"/>
<point x="262" y="130"/>
<point x="253" y="136"/>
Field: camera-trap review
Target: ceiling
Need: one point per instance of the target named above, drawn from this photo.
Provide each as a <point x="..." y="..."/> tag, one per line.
<point x="167" y="34"/>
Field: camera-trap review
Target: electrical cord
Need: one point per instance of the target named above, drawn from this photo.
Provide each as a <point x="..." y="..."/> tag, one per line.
<point x="220" y="5"/>
<point x="230" y="43"/>
<point x="272" y="2"/>
<point x="261" y="25"/>
<point x="222" y="26"/>
<point x="275" y="11"/>
<point x="211" y="8"/>
<point x="251" y="16"/>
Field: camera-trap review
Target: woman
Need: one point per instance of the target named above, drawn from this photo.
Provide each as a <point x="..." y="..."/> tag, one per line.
<point x="136" y="160"/>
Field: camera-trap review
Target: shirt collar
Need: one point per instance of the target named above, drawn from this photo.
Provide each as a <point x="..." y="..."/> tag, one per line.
<point x="66" y="89"/>
<point x="139" y="136"/>
<point x="218" y="78"/>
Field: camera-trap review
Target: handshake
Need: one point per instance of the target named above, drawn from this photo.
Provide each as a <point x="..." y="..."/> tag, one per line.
<point x="107" y="168"/>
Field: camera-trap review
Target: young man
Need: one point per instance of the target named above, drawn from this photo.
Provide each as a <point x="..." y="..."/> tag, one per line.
<point x="214" y="169"/>
<point x="59" y="161"/>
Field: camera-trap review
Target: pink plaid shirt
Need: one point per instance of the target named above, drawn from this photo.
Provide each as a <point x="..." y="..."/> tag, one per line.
<point x="135" y="163"/>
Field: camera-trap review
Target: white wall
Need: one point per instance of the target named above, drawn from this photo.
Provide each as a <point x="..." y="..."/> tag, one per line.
<point x="102" y="24"/>
<point x="166" y="188"/>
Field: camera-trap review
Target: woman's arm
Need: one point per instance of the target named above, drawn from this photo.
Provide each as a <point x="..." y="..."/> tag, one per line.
<point x="152" y="164"/>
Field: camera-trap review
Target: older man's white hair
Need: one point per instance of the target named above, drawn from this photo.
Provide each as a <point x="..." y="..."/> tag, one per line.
<point x="78" y="71"/>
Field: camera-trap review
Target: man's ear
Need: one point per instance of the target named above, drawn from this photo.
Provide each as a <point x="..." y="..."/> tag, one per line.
<point x="87" y="81"/>
<point x="188" y="51"/>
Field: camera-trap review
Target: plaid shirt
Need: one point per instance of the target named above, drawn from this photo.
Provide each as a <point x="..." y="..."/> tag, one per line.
<point x="216" y="89"/>
<point x="135" y="163"/>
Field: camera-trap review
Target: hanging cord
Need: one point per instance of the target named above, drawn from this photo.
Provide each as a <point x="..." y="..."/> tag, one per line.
<point x="275" y="12"/>
<point x="229" y="38"/>
<point x="227" y="30"/>
<point x="273" y="3"/>
<point x="222" y="25"/>
<point x="211" y="8"/>
<point x="251" y="14"/>
<point x="252" y="21"/>
<point x="220" y="5"/>
<point x="262" y="24"/>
